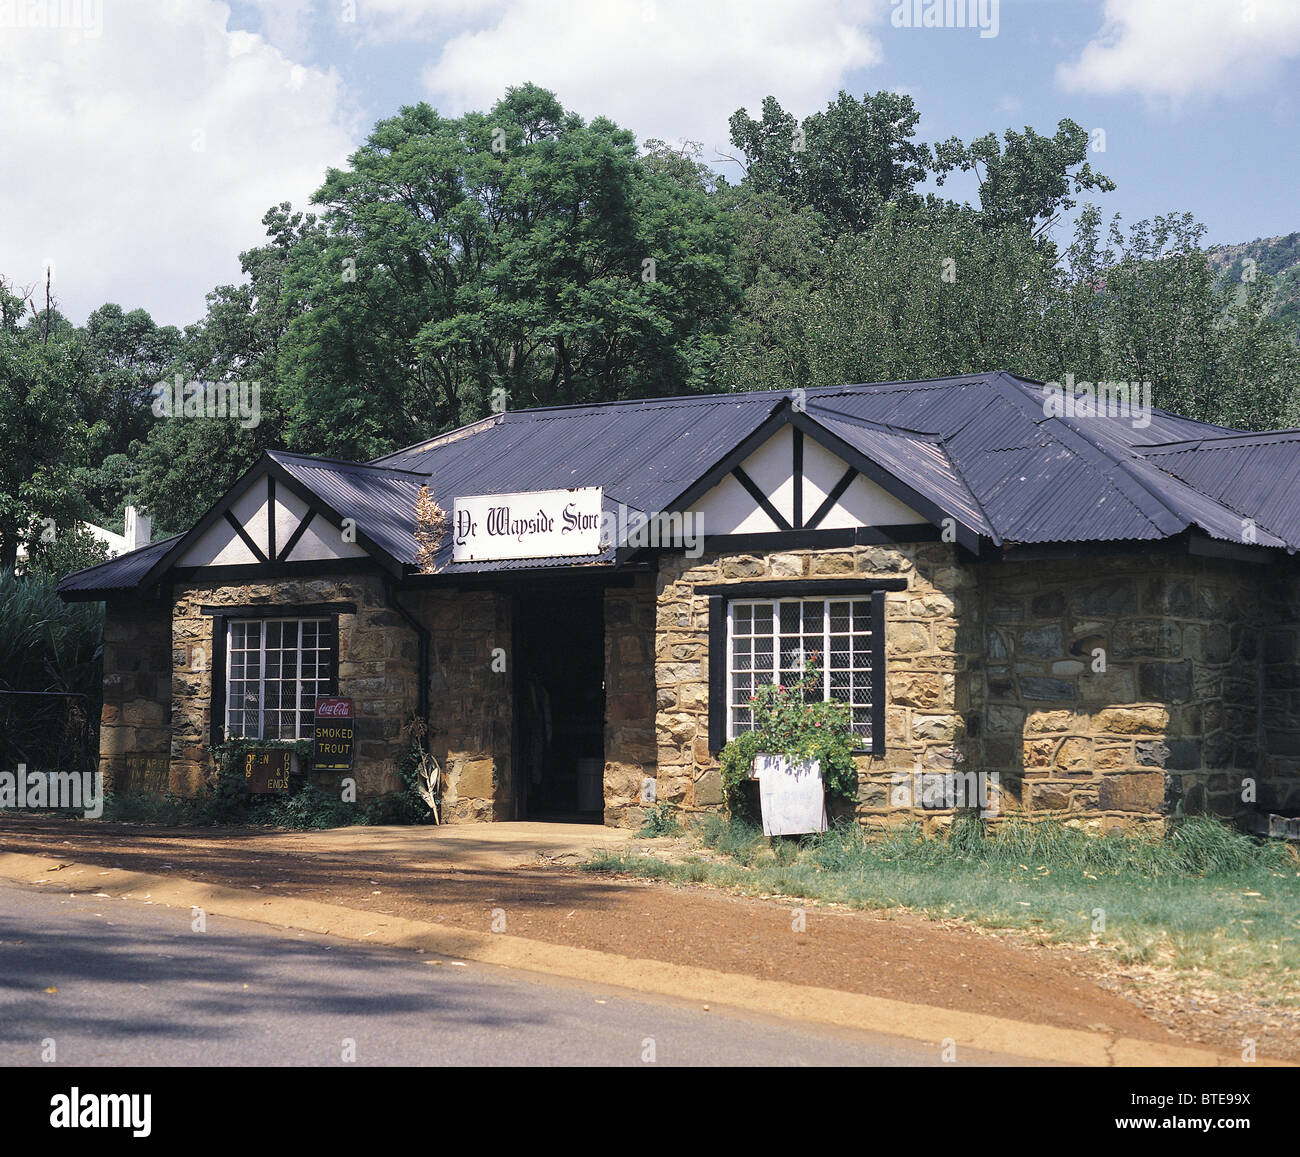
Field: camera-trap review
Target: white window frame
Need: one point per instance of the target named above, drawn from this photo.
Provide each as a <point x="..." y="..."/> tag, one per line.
<point x="303" y="721"/>
<point x="864" y="730"/>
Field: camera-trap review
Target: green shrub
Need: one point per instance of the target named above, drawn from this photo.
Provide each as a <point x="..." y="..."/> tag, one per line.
<point x="795" y="722"/>
<point x="660" y="821"/>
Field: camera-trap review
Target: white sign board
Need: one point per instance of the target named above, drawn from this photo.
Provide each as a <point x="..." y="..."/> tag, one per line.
<point x="535" y="524"/>
<point x="792" y="797"/>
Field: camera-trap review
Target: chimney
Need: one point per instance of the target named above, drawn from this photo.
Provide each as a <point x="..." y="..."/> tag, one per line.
<point x="139" y="529"/>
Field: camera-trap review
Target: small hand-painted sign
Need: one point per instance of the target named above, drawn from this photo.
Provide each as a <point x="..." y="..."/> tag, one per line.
<point x="331" y="745"/>
<point x="267" y="770"/>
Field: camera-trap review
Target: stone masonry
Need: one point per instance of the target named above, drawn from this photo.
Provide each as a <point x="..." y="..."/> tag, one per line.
<point x="378" y="664"/>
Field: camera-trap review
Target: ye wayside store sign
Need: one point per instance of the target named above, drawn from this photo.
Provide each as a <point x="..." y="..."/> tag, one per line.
<point x="537" y="524"/>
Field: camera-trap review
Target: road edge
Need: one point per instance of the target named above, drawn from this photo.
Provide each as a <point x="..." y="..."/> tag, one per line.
<point x="918" y="1022"/>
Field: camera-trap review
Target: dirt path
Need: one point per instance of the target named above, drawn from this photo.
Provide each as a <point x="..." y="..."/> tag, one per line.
<point x="898" y="956"/>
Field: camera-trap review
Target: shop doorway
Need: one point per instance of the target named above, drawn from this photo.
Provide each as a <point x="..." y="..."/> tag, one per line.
<point x="560" y="705"/>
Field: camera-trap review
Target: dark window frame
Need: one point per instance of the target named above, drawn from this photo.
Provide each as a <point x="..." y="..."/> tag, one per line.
<point x="722" y="595"/>
<point x="218" y="673"/>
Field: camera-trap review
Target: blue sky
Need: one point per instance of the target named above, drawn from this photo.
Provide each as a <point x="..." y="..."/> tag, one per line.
<point x="153" y="133"/>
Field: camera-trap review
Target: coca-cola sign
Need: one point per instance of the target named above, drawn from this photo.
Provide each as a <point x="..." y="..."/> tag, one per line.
<point x="333" y="734"/>
<point x="333" y="708"/>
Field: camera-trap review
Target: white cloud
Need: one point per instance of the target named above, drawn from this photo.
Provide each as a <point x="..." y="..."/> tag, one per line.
<point x="663" y="68"/>
<point x="140" y="161"/>
<point x="1174" y="49"/>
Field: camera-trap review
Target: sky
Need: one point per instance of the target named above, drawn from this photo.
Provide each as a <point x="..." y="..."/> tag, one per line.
<point x="142" y="140"/>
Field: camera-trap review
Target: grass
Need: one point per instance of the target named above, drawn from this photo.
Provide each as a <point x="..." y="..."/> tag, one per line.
<point x="1205" y="899"/>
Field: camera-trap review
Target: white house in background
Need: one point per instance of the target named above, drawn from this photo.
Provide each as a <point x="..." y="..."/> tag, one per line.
<point x="138" y="531"/>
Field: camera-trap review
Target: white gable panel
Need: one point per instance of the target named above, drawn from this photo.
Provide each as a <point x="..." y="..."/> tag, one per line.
<point x="730" y="509"/>
<point x="866" y="504"/>
<point x="771" y="467"/>
<point x="290" y="510"/>
<point x="321" y="541"/>
<point x="219" y="545"/>
<point x="252" y="510"/>
<point x="821" y="471"/>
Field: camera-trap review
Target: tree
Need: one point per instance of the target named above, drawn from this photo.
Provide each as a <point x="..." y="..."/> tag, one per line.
<point x="1029" y="179"/>
<point x="846" y="163"/>
<point x="519" y="257"/>
<point x="40" y="372"/>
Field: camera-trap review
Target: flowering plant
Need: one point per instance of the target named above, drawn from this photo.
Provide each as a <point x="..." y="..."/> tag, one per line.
<point x="794" y="721"/>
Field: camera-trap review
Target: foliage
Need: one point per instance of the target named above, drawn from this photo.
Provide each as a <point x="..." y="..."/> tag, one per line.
<point x="47" y="644"/>
<point x="795" y="722"/>
<point x="64" y="552"/>
<point x="846" y="163"/>
<point x="1204" y="900"/>
<point x="1027" y="179"/>
<point x="40" y="377"/>
<point x="523" y="256"/>
<point x="517" y="257"/>
<point x="660" y="820"/>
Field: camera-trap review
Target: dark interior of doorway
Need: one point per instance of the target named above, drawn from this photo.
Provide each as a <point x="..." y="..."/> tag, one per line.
<point x="560" y="693"/>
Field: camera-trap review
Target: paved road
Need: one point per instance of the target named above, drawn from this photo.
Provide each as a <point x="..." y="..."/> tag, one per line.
<point x="137" y="985"/>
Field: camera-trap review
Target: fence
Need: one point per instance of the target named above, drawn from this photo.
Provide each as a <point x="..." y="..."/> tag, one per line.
<point x="47" y="731"/>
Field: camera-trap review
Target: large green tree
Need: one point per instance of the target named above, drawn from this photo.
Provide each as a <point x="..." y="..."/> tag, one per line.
<point x="41" y="373"/>
<point x="516" y="257"/>
<point x="846" y="162"/>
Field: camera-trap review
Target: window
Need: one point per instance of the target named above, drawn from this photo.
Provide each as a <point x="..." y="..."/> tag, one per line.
<point x="275" y="669"/>
<point x="769" y="640"/>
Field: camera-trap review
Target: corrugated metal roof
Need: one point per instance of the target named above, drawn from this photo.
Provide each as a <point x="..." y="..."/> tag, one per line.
<point x="981" y="447"/>
<point x="382" y="501"/>
<point x="121" y="573"/>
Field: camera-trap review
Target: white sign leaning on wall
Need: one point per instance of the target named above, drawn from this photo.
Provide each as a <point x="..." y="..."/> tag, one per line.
<point x="535" y="524"/>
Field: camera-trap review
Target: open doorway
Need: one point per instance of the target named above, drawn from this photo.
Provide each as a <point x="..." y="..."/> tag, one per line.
<point x="560" y="698"/>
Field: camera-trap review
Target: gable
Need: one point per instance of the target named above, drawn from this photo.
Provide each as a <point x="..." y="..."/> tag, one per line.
<point x="792" y="482"/>
<point x="267" y="522"/>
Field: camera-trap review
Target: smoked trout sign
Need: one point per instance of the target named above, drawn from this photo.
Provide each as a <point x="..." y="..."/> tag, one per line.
<point x="536" y="524"/>
<point x="331" y="741"/>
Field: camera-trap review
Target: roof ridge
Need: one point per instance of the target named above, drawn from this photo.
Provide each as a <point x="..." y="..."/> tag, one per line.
<point x="320" y="459"/>
<point x="671" y="399"/>
<point x="1023" y="399"/>
<point x="1258" y="438"/>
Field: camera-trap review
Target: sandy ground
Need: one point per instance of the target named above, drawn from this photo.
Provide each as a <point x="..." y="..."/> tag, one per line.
<point x="470" y="876"/>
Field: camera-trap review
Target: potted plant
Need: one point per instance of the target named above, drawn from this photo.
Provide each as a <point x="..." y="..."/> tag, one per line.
<point x="797" y="731"/>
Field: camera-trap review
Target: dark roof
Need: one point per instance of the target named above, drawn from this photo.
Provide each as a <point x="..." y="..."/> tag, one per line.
<point x="980" y="448"/>
<point x="119" y="574"/>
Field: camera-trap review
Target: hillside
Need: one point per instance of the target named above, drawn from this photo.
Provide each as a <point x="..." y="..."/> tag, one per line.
<point x="1276" y="257"/>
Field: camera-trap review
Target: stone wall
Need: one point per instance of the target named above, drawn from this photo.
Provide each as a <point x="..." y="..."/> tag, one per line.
<point x="378" y="669"/>
<point x="471" y="700"/>
<point x="1105" y="694"/>
<point x="135" y="723"/>
<point x="1279" y="692"/>
<point x="1120" y="695"/>
<point x="928" y="652"/>
<point x="630" y="654"/>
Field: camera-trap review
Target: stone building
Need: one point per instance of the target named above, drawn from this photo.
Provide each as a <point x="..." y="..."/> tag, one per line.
<point x="1092" y="603"/>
